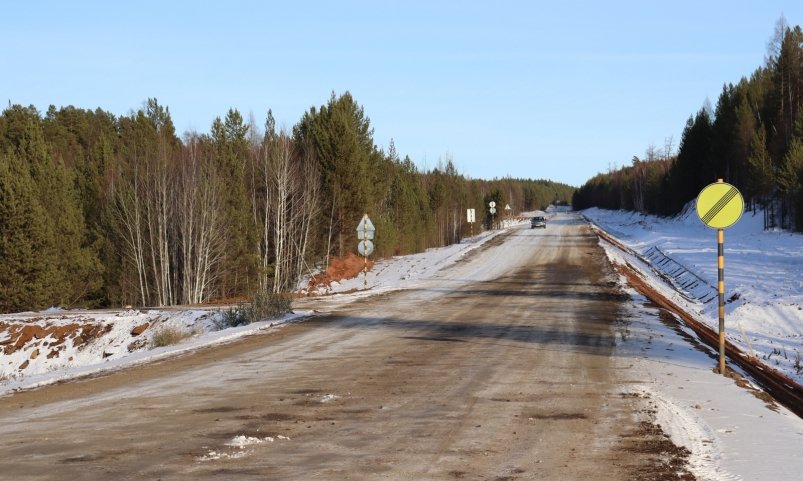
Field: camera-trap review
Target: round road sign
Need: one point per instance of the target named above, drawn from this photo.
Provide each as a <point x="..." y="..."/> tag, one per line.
<point x="493" y="210"/>
<point x="365" y="248"/>
<point x="491" y="204"/>
<point x="720" y="205"/>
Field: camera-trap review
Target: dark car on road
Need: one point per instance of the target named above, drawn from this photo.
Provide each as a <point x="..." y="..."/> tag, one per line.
<point x="538" y="221"/>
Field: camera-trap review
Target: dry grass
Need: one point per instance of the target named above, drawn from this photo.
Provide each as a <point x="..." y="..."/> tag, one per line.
<point x="167" y="336"/>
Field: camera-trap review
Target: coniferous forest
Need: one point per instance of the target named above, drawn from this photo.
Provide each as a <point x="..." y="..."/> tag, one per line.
<point x="752" y="139"/>
<point x="99" y="210"/>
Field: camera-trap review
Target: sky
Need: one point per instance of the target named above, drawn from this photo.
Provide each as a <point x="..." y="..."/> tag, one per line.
<point x="529" y="89"/>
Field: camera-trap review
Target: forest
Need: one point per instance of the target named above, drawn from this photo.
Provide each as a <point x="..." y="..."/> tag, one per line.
<point x="101" y="210"/>
<point x="752" y="139"/>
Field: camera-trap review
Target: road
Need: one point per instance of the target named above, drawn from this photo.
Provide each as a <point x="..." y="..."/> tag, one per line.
<point x="498" y="368"/>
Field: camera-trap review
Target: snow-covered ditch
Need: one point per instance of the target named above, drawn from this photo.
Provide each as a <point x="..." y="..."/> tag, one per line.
<point x="763" y="277"/>
<point x="730" y="430"/>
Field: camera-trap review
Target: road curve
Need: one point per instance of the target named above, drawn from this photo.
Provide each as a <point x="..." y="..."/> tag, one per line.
<point x="500" y="368"/>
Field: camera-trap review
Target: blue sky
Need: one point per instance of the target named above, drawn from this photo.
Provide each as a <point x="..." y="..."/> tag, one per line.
<point x="558" y="90"/>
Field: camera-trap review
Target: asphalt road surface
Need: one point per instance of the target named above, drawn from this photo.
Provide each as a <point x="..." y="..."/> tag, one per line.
<point x="499" y="368"/>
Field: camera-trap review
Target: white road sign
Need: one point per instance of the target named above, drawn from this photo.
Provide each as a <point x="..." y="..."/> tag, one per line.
<point x="365" y="229"/>
<point x="365" y="247"/>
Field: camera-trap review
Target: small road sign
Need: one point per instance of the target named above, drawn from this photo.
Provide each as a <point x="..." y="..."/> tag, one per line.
<point x="507" y="207"/>
<point x="720" y="205"/>
<point x="493" y="209"/>
<point x="471" y="215"/>
<point x="491" y="204"/>
<point x="365" y="232"/>
<point x="365" y="248"/>
<point x="365" y="229"/>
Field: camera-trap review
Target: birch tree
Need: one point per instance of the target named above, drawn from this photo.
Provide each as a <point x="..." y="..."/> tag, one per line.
<point x="145" y="202"/>
<point x="201" y="229"/>
<point x="291" y="195"/>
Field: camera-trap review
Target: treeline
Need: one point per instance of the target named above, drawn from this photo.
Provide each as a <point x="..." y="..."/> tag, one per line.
<point x="753" y="140"/>
<point x="98" y="210"/>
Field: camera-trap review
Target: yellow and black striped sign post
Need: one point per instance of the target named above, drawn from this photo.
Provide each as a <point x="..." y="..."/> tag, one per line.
<point x="719" y="206"/>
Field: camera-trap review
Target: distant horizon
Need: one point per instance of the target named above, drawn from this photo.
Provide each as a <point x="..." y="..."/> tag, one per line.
<point x="559" y="93"/>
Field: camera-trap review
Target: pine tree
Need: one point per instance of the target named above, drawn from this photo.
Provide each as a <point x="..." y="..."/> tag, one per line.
<point x="760" y="165"/>
<point x="77" y="269"/>
<point x="84" y="142"/>
<point x="240" y="265"/>
<point x="789" y="173"/>
<point x="340" y="134"/>
<point x="28" y="276"/>
<point x="693" y="169"/>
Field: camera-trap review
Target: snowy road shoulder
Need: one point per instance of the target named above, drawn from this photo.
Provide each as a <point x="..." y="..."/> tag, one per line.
<point x="732" y="433"/>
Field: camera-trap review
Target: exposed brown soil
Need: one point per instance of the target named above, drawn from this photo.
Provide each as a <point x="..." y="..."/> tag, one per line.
<point x="668" y="461"/>
<point x="340" y="268"/>
<point x="49" y="338"/>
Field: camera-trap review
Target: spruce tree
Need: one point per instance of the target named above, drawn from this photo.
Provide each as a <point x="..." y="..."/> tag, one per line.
<point x="77" y="268"/>
<point x="760" y="165"/>
<point x="28" y="275"/>
<point x="240" y="266"/>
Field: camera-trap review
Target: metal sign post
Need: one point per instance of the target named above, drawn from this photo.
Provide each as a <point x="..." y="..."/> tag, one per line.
<point x="365" y="234"/>
<point x="719" y="206"/>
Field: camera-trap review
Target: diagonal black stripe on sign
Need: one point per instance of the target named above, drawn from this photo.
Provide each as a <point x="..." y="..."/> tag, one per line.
<point x="729" y="195"/>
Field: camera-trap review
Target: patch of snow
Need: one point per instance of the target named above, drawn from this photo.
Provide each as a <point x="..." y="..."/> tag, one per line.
<point x="687" y="429"/>
<point x="243" y="441"/>
<point x="238" y="445"/>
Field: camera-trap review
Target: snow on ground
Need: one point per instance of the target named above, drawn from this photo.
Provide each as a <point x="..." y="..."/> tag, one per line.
<point x="763" y="277"/>
<point x="237" y="447"/>
<point x="39" y="348"/>
<point x="731" y="433"/>
<point x="403" y="271"/>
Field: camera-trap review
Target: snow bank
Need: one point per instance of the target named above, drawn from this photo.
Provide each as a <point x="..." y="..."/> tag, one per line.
<point x="763" y="277"/>
<point x="41" y="348"/>
<point x="402" y="272"/>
